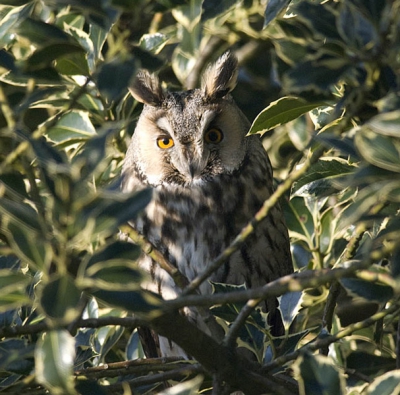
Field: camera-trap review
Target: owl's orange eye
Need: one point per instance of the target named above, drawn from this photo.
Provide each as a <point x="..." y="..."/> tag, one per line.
<point x="213" y="136"/>
<point x="165" y="142"/>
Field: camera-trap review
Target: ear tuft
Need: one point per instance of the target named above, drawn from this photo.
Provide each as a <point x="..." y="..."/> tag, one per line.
<point x="147" y="89"/>
<point x="220" y="77"/>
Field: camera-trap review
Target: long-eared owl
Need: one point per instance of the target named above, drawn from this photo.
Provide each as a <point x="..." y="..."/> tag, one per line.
<point x="208" y="181"/>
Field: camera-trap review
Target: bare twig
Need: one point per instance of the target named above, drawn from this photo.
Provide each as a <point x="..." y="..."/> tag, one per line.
<point x="137" y="366"/>
<point x="149" y="249"/>
<point x="176" y="374"/>
<point x="233" y="333"/>
<point x="127" y="322"/>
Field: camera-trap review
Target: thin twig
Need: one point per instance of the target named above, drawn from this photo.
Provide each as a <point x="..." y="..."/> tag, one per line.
<point x="233" y="333"/>
<point x="289" y="283"/>
<point x="149" y="249"/>
<point x="252" y="225"/>
<point x="137" y="366"/>
<point x="177" y="374"/>
<point x="127" y="322"/>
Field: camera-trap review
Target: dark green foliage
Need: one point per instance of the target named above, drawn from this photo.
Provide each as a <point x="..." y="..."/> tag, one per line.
<point x="325" y="73"/>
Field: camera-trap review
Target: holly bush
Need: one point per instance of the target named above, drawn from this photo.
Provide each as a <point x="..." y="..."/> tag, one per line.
<point x="321" y="81"/>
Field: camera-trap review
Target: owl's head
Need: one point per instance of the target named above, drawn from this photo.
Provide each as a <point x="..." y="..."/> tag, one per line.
<point x="187" y="138"/>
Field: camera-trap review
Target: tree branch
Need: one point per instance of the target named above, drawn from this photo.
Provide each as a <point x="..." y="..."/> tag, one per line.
<point x="127" y="322"/>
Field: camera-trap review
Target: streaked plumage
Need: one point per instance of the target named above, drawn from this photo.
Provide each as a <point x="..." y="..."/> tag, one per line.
<point x="205" y="190"/>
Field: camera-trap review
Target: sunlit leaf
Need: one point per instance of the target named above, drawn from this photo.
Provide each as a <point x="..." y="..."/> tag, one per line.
<point x="368" y="290"/>
<point x="319" y="376"/>
<point x="60" y="297"/>
<point x="141" y="302"/>
<point x="46" y="55"/>
<point x="273" y="9"/>
<point x="324" y="170"/>
<point x="113" y="274"/>
<point x="211" y="9"/>
<point x="11" y="16"/>
<point x="380" y="150"/>
<point x="108" y="336"/>
<point x="54" y="361"/>
<point x="386" y="384"/>
<point x="289" y="305"/>
<point x="153" y="42"/>
<point x="72" y="127"/>
<point x="280" y="112"/>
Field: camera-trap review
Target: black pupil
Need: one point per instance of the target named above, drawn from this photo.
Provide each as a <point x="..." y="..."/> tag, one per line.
<point x="165" y="141"/>
<point x="213" y="136"/>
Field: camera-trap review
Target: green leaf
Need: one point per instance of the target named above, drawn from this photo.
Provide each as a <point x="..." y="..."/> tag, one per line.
<point x="211" y="9"/>
<point x="54" y="361"/>
<point x="20" y="213"/>
<point x="299" y="219"/>
<point x="10" y="17"/>
<point x="10" y="280"/>
<point x="108" y="336"/>
<point x="356" y="30"/>
<point x="386" y="384"/>
<point x="280" y="112"/>
<point x="14" y="185"/>
<point x="41" y="33"/>
<point x="134" y="349"/>
<point x="73" y="64"/>
<point x="72" y="127"/>
<point x="114" y="77"/>
<point x="327" y="170"/>
<point x="13" y="289"/>
<point x="98" y="36"/>
<point x="116" y="250"/>
<point x="318" y="376"/>
<point x="60" y="297"/>
<point x="16" y="356"/>
<point x="289" y="305"/>
<point x="387" y="123"/>
<point x="113" y="274"/>
<point x="28" y="246"/>
<point x="368" y="290"/>
<point x="273" y="9"/>
<point x="317" y="75"/>
<point x="380" y="150"/>
<point x="140" y="302"/>
<point x="320" y="18"/>
<point x="111" y="210"/>
<point x="46" y="55"/>
<point x="154" y="42"/>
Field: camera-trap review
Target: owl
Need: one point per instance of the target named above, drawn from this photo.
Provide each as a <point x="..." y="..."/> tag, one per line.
<point x="208" y="180"/>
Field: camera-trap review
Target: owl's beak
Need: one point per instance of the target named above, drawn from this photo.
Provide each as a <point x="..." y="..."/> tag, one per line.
<point x="195" y="164"/>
